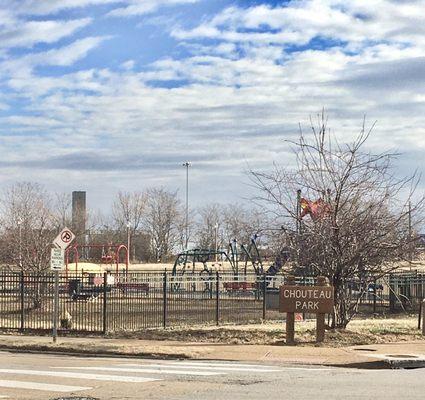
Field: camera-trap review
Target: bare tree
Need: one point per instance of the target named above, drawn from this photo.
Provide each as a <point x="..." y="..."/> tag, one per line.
<point x="240" y="223"/>
<point x="28" y="228"/>
<point x="62" y="206"/>
<point x="181" y="230"/>
<point x="162" y="212"/>
<point x="210" y="226"/>
<point x="127" y="212"/>
<point x="356" y="211"/>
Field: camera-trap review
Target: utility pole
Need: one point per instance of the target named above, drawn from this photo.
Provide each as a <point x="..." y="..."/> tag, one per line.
<point x="187" y="164"/>
<point x="410" y="233"/>
<point x="20" y="243"/>
<point x="299" y="227"/>
<point x="128" y="242"/>
<point x="216" y="241"/>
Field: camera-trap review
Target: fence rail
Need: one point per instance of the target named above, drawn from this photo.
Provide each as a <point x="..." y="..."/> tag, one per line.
<point x="136" y="301"/>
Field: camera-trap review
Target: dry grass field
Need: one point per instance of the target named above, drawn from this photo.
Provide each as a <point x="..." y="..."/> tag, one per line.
<point x="359" y="332"/>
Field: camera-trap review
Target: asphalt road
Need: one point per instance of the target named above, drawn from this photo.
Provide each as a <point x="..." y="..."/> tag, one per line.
<point x="36" y="376"/>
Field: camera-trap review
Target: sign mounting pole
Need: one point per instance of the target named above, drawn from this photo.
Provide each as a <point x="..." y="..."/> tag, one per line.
<point x="56" y="308"/>
<point x="61" y="242"/>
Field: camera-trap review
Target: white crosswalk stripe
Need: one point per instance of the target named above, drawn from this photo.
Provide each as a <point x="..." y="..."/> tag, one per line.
<point x="221" y="364"/>
<point x="201" y="367"/>
<point x="141" y="368"/>
<point x="77" y="375"/>
<point x="227" y="367"/>
<point x="39" y="386"/>
<point x="124" y="372"/>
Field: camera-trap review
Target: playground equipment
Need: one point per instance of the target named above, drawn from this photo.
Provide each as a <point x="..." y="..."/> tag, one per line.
<point x="110" y="254"/>
<point x="243" y="259"/>
<point x="187" y="260"/>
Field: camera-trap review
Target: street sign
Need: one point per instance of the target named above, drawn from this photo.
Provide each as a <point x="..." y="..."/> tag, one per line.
<point x="64" y="239"/>
<point x="306" y="299"/>
<point x="57" y="259"/>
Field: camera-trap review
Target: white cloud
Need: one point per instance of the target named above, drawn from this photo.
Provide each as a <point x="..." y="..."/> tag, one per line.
<point x="67" y="55"/>
<point x="17" y="33"/>
<point x="122" y="8"/>
<point x="46" y="7"/>
<point x="128" y="65"/>
<point x="227" y="104"/>
<point x="62" y="56"/>
<point x="300" y="21"/>
<point x="141" y="7"/>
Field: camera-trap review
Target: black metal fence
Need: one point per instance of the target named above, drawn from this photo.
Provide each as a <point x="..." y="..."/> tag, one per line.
<point x="136" y="301"/>
<point x="395" y="292"/>
<point x="407" y="291"/>
<point x="129" y="302"/>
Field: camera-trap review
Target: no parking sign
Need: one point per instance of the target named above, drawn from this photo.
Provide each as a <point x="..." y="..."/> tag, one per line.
<point x="61" y="242"/>
<point x="57" y="259"/>
<point x="64" y="239"/>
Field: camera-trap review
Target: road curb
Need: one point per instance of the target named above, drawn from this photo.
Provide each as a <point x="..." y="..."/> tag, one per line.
<point x="91" y="353"/>
<point x="69" y="351"/>
<point x="405" y="363"/>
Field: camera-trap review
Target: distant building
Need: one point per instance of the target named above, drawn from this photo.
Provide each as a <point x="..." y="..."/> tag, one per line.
<point x="79" y="212"/>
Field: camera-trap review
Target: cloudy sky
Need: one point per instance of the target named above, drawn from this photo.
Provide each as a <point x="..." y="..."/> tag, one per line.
<point x="109" y="95"/>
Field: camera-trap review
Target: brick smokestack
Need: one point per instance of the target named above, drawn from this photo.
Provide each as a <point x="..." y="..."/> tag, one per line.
<point x="79" y="215"/>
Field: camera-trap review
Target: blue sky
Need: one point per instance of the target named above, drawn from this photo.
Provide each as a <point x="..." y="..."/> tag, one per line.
<point x="106" y="95"/>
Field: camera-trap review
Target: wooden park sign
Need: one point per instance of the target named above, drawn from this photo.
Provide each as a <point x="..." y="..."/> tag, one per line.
<point x="317" y="300"/>
<point x="306" y="299"/>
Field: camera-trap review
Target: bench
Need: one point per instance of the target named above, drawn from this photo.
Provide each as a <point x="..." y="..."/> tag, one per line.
<point x="240" y="286"/>
<point x="133" y="287"/>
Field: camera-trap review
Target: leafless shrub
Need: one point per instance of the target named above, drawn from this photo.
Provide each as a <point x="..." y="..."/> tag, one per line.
<point x="363" y="229"/>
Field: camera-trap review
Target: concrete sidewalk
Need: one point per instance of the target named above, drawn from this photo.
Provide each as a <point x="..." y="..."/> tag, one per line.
<point x="362" y="356"/>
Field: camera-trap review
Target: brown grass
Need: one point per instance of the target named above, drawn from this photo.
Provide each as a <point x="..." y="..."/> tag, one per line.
<point x="359" y="332"/>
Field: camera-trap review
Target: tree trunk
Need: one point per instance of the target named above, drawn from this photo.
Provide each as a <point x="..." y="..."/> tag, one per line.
<point x="340" y="317"/>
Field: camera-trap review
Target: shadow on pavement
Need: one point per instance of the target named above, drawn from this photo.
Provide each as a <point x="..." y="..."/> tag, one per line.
<point x="378" y="364"/>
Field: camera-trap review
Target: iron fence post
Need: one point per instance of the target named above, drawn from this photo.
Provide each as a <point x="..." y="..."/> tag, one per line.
<point x="217" y="298"/>
<point x="392" y="290"/>
<point x="105" y="302"/>
<point x="22" y="298"/>
<point x="423" y="317"/>
<point x="374" y="296"/>
<point x="264" y="296"/>
<point x="164" y="301"/>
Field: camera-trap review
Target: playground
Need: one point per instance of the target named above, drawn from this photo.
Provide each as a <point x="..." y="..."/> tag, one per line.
<point x="100" y="291"/>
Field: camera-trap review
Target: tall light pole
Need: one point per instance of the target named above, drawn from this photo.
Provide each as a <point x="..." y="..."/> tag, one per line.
<point x="20" y="242"/>
<point x="216" y="241"/>
<point x="187" y="164"/>
<point x="128" y="242"/>
<point x="409" y="215"/>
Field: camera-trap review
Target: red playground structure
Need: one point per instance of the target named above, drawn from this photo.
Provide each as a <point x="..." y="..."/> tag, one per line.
<point x="111" y="256"/>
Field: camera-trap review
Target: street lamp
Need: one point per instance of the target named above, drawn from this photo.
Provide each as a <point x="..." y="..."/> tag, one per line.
<point x="128" y="242"/>
<point x="19" y="222"/>
<point x="216" y="241"/>
<point x="187" y="164"/>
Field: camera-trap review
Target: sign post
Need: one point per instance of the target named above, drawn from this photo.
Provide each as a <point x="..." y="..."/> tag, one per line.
<point x="56" y="308"/>
<point x="423" y="317"/>
<point x="57" y="255"/>
<point x="290" y="317"/>
<point x="56" y="264"/>
<point x="317" y="300"/>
